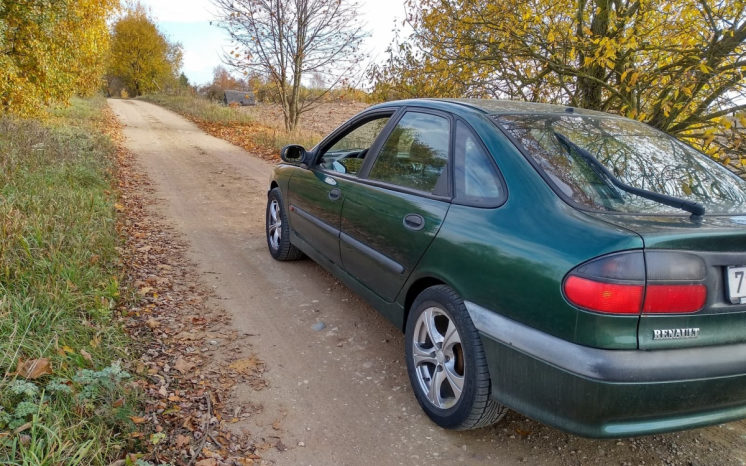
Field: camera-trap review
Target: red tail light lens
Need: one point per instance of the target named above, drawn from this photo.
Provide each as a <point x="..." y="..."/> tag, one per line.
<point x="674" y="298"/>
<point x="633" y="282"/>
<point x="604" y="297"/>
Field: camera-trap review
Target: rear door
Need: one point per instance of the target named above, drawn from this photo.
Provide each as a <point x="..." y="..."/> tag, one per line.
<point x="391" y="215"/>
<point x="317" y="194"/>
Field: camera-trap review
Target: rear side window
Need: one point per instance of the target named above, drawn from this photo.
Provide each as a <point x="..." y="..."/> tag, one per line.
<point x="476" y="178"/>
<point x="415" y="155"/>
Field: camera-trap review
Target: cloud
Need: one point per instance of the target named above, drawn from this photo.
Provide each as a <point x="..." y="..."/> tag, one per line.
<point x="181" y="11"/>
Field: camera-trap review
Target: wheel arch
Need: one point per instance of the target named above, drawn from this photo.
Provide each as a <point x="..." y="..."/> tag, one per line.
<point x="273" y="185"/>
<point x="417" y="287"/>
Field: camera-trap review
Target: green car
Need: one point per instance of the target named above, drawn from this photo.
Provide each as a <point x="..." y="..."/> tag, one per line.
<point x="580" y="268"/>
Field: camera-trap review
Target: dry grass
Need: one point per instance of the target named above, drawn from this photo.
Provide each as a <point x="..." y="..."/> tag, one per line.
<point x="259" y="129"/>
<point x="322" y="119"/>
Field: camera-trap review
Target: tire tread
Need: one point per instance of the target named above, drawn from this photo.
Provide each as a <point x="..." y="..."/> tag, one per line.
<point x="485" y="411"/>
<point x="287" y="251"/>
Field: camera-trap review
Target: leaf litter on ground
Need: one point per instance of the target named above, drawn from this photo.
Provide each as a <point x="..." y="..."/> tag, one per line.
<point x="187" y="382"/>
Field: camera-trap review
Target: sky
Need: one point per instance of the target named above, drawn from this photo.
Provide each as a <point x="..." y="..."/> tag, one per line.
<point x="188" y="22"/>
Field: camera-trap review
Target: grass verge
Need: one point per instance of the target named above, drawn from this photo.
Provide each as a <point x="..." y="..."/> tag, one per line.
<point x="234" y="125"/>
<point x="64" y="397"/>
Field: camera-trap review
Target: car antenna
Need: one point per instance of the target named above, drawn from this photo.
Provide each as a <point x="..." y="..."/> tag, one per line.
<point x="695" y="208"/>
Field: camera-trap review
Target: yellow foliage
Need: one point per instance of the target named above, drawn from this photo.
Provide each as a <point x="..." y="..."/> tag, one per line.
<point x="141" y="56"/>
<point x="50" y="51"/>
<point x="669" y="63"/>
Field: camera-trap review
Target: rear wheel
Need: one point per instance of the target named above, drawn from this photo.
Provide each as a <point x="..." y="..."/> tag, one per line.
<point x="446" y="363"/>
<point x="278" y="230"/>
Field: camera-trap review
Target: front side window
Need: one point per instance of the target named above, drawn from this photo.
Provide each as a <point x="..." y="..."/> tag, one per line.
<point x="634" y="153"/>
<point x="348" y="153"/>
<point x="415" y="155"/>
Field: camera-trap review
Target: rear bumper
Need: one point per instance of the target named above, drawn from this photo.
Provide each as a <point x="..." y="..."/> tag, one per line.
<point x="610" y="393"/>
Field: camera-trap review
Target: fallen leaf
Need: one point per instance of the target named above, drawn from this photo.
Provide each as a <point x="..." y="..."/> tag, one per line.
<point x="246" y="365"/>
<point x="207" y="462"/>
<point x="118" y="403"/>
<point x="119" y="207"/>
<point x="20" y="429"/>
<point x="33" y="368"/>
<point x="181" y="441"/>
<point x="152" y="323"/>
<point x="86" y="355"/>
<point x="183" y="366"/>
<point x="138" y="420"/>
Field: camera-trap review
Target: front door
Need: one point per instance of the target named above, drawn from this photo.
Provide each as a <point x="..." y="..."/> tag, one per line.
<point x="391" y="215"/>
<point x="317" y="194"/>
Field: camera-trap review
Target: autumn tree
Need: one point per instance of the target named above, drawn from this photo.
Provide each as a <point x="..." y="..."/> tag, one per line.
<point x="222" y="80"/>
<point x="50" y="51"/>
<point x="287" y="40"/>
<point x="679" y="65"/>
<point x="142" y="59"/>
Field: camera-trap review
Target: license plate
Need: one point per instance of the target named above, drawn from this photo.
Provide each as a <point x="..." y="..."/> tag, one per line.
<point x="737" y="284"/>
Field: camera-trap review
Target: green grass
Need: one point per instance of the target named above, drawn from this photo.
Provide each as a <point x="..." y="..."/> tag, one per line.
<point x="199" y="107"/>
<point x="59" y="280"/>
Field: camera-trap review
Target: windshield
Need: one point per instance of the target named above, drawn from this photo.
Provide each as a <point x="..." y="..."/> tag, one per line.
<point x="635" y="153"/>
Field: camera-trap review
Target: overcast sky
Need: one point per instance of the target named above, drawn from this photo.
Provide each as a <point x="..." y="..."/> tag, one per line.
<point x="188" y="22"/>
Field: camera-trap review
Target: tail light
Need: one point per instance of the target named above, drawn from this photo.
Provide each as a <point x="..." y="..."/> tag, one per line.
<point x="659" y="282"/>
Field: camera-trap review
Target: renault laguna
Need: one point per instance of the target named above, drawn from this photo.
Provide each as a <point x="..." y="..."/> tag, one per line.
<point x="583" y="269"/>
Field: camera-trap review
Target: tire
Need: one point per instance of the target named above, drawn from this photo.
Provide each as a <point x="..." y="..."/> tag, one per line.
<point x="277" y="229"/>
<point x="449" y="353"/>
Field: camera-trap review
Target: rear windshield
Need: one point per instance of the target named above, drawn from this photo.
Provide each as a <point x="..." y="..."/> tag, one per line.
<point x="634" y="153"/>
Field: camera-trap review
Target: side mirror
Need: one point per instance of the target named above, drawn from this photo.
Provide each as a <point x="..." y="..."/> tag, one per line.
<point x="294" y="154"/>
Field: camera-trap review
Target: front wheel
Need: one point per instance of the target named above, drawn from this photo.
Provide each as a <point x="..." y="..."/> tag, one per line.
<point x="278" y="229"/>
<point x="446" y="362"/>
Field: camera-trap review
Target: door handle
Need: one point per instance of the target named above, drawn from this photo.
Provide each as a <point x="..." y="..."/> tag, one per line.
<point x="414" y="222"/>
<point x="335" y="194"/>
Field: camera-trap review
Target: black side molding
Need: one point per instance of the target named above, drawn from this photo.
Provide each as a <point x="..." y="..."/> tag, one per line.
<point x="372" y="253"/>
<point x="323" y="225"/>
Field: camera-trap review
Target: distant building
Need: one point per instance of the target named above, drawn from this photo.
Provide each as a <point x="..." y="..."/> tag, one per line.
<point x="241" y="98"/>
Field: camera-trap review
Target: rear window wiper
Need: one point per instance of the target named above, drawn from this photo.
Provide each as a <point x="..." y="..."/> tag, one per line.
<point x="694" y="207"/>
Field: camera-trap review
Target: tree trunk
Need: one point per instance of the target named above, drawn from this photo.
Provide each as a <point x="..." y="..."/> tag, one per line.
<point x="589" y="85"/>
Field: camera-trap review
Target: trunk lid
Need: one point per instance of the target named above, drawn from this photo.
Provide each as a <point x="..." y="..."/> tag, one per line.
<point x="721" y="242"/>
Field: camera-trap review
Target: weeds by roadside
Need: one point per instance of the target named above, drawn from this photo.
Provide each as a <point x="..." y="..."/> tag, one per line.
<point x="202" y="109"/>
<point x="64" y="397"/>
<point x="234" y="125"/>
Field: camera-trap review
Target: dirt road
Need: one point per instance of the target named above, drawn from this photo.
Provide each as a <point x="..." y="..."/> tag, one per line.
<point x="339" y="395"/>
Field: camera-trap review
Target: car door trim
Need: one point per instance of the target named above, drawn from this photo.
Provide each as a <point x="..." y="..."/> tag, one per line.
<point x="388" y="263"/>
<point x="316" y="221"/>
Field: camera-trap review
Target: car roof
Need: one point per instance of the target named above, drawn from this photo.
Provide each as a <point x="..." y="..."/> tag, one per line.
<point x="493" y="106"/>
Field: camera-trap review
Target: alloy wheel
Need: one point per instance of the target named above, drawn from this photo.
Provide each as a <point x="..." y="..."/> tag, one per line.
<point x="274" y="225"/>
<point x="438" y="358"/>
